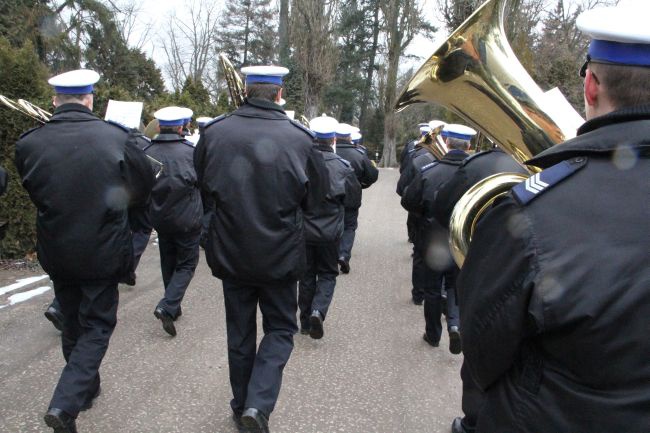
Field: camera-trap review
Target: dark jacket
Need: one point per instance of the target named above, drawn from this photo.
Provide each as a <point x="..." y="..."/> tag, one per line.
<point x="367" y="173"/>
<point x="3" y="180"/>
<point x="83" y="174"/>
<point x="324" y="223"/>
<point x="175" y="200"/>
<point x="419" y="158"/>
<point x="406" y="154"/>
<point x="419" y="199"/>
<point x="473" y="169"/>
<point x="262" y="171"/>
<point x="555" y="289"/>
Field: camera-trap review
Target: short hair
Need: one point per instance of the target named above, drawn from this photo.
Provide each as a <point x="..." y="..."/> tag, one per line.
<point x="625" y="86"/>
<point x="325" y="141"/>
<point x="266" y="91"/>
<point x="457" y="143"/>
<point x="67" y="98"/>
<point x="169" y="129"/>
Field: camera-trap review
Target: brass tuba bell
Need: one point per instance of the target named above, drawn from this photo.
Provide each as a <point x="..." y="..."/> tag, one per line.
<point x="233" y="80"/>
<point x="476" y="75"/>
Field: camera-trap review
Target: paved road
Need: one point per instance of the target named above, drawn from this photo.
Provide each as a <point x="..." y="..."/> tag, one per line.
<point x="371" y="373"/>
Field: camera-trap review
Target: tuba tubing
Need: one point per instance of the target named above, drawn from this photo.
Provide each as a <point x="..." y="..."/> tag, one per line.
<point x="233" y="80"/>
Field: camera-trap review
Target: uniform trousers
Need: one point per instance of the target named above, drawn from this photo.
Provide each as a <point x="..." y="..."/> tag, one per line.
<point x="316" y="287"/>
<point x="256" y="377"/>
<point x="179" y="256"/>
<point x="140" y="242"/>
<point x="89" y="311"/>
<point x="419" y="275"/>
<point x="472" y="400"/>
<point x="350" y="225"/>
<point x="433" y="283"/>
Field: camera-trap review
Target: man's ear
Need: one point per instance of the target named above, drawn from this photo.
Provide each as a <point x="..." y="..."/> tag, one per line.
<point x="591" y="89"/>
<point x="279" y="95"/>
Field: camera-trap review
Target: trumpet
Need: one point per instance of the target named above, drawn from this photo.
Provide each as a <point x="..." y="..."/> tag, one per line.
<point x="42" y="116"/>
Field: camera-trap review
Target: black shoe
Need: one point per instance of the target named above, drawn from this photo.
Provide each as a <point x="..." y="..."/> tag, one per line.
<point x="454" y="340"/>
<point x="316" y="325"/>
<point x="345" y="265"/>
<point x="89" y="403"/>
<point x="304" y="331"/>
<point x="417" y="301"/>
<point x="179" y="313"/>
<point x="54" y="316"/>
<point x="60" y="421"/>
<point x="255" y="421"/>
<point x="167" y="321"/>
<point x="128" y="279"/>
<point x="458" y="427"/>
<point x="426" y="338"/>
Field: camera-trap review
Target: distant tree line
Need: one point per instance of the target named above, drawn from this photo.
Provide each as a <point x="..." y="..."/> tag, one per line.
<point x="344" y="57"/>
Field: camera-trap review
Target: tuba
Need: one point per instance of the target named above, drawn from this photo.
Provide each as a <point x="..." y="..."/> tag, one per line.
<point x="476" y="75"/>
<point x="234" y="82"/>
<point x="433" y="142"/>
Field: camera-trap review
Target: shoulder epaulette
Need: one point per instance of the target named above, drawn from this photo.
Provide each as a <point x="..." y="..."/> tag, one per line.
<point x="303" y="128"/>
<point x="474" y="156"/>
<point x="360" y="151"/>
<point x="411" y="150"/>
<point x="119" y="125"/>
<point x="188" y="143"/>
<point x="428" y="166"/>
<point x="536" y="185"/>
<point x="216" y="119"/>
<point x="29" y="131"/>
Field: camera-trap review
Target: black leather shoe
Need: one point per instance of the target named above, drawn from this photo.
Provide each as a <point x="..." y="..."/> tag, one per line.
<point x="345" y="265"/>
<point x="54" y="316"/>
<point x="454" y="340"/>
<point x="430" y="342"/>
<point x="60" y="421"/>
<point x="304" y="331"/>
<point x="89" y="403"/>
<point x="255" y="421"/>
<point x="458" y="427"/>
<point x="417" y="301"/>
<point x="167" y="321"/>
<point x="316" y="325"/>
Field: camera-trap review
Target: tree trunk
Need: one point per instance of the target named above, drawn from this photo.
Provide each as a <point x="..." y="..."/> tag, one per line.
<point x="283" y="30"/>
<point x="394" y="38"/>
<point x="363" y="116"/>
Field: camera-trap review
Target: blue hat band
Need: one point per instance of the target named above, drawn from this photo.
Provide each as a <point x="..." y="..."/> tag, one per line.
<point x="343" y="135"/>
<point x="179" y="122"/>
<point x="82" y="90"/>
<point x="325" y="134"/>
<point x="456" y="135"/>
<point x="269" y="79"/>
<point x="620" y="53"/>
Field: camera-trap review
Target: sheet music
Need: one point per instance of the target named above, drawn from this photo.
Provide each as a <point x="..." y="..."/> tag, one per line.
<point x="127" y="113"/>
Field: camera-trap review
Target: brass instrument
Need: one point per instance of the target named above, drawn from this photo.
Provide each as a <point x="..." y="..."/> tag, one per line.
<point x="42" y="116"/>
<point x="26" y="108"/>
<point x="433" y="142"/>
<point x="476" y="75"/>
<point x="234" y="82"/>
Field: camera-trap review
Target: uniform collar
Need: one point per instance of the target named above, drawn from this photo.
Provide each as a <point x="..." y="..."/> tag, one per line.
<point x="168" y="137"/>
<point x="64" y="111"/>
<point x="602" y="135"/>
<point x="263" y="104"/>
<point x="324" y="148"/>
<point x="454" y="155"/>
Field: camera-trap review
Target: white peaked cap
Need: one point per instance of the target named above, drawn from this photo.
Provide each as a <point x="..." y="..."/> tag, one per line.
<point x="356" y="136"/>
<point x="344" y="130"/>
<point x="455" y="130"/>
<point x="264" y="74"/>
<point x="203" y="120"/>
<point x="625" y="23"/>
<point x="173" y="116"/>
<point x="78" y="82"/>
<point x="436" y="123"/>
<point x="324" y="126"/>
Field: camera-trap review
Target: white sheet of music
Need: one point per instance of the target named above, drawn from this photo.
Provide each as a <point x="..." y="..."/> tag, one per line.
<point x="126" y="113"/>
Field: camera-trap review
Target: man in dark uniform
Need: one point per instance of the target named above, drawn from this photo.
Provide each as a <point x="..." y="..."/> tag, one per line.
<point x="408" y="149"/>
<point x="175" y="211"/>
<point x="432" y="238"/>
<point x="555" y="288"/>
<point x="263" y="172"/>
<point x="208" y="205"/>
<point x="84" y="240"/>
<point x="323" y="230"/>
<point x="473" y="169"/>
<point x="414" y="163"/>
<point x="367" y="174"/>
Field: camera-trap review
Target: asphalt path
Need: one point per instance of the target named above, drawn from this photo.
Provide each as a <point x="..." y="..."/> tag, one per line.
<point x="372" y="372"/>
